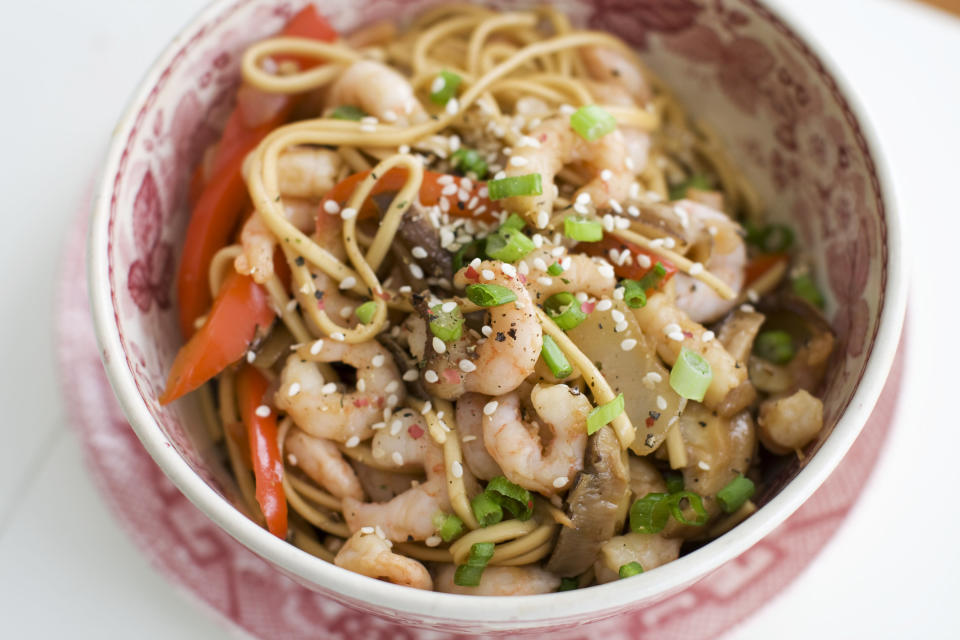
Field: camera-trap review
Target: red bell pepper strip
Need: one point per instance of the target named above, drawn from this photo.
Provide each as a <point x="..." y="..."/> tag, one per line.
<point x="430" y="193"/>
<point x="222" y="200"/>
<point x="261" y="421"/>
<point x="630" y="270"/>
<point x="760" y="265"/>
<point x="308" y="23"/>
<point x="241" y="308"/>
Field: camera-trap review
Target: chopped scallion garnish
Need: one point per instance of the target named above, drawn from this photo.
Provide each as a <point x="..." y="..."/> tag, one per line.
<point x="486" y="509"/>
<point x="774" y="346"/>
<point x="696" y="181"/>
<point x="557" y="362"/>
<point x="592" y="122"/>
<point x="512" y="497"/>
<point x="469" y="161"/>
<point x="806" y="288"/>
<point x="514" y="221"/>
<point x="650" y="513"/>
<point x="444" y="87"/>
<point x="555" y="269"/>
<point x="652" y="278"/>
<point x="694" y="501"/>
<point x="489" y="295"/>
<point x="348" y="112"/>
<point x="582" y="230"/>
<point x="634" y="294"/>
<point x="446" y="325"/>
<point x="564" y="309"/>
<point x="450" y="527"/>
<point x="366" y="311"/>
<point x="526" y="185"/>
<point x="469" y="251"/>
<point x="604" y="414"/>
<point x="674" y="481"/>
<point x="468" y="575"/>
<point x="737" y="492"/>
<point x="508" y="245"/>
<point x="773" y="238"/>
<point x="630" y="569"/>
<point x="691" y="375"/>
<point x="569" y="584"/>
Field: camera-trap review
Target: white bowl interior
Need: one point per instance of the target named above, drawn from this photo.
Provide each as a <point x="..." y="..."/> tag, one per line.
<point x="774" y="104"/>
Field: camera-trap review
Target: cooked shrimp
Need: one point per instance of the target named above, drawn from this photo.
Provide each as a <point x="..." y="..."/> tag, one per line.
<point x="663" y="322"/>
<point x="720" y="238"/>
<point x="558" y="145"/>
<point x="322" y="461"/>
<point x="380" y="91"/>
<point x="611" y="67"/>
<point x="327" y="410"/>
<point x="470" y="429"/>
<point x="516" y="445"/>
<point x="593" y="276"/>
<point x="651" y="550"/>
<point x="501" y="581"/>
<point x="259" y="244"/>
<point x="307" y="172"/>
<point x="489" y="365"/>
<point x="370" y="555"/>
<point x="790" y="423"/>
<point x="404" y="440"/>
<point x="408" y="516"/>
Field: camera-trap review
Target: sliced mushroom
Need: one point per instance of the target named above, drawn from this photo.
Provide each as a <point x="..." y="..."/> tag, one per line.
<point x="737" y="334"/>
<point x="596" y="505"/>
<point x="404" y="362"/>
<point x="416" y="232"/>
<point x="790" y="423"/>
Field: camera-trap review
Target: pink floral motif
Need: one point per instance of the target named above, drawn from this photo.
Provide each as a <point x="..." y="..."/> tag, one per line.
<point x="151" y="274"/>
<point x="633" y="20"/>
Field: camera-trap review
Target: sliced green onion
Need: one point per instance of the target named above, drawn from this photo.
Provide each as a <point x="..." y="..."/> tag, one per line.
<point x="450" y="528"/>
<point x="774" y="346"/>
<point x="555" y="269"/>
<point x="489" y="295"/>
<point x="366" y="311"/>
<point x="650" y="513"/>
<point x="527" y="185"/>
<point x="738" y="491"/>
<point x="486" y="509"/>
<point x="444" y="87"/>
<point x="557" y="362"/>
<point x="674" y="481"/>
<point x="564" y="309"/>
<point x="569" y="584"/>
<point x="691" y="375"/>
<point x="446" y="325"/>
<point x="582" y="230"/>
<point x="348" y="112"/>
<point x="652" y="278"/>
<point x="508" y="245"/>
<point x="695" y="502"/>
<point x="604" y="414"/>
<point x="469" y="251"/>
<point x="592" y="122"/>
<point x="468" y="575"/>
<point x="469" y="161"/>
<point x="806" y="288"/>
<point x="773" y="238"/>
<point x="634" y="294"/>
<point x="514" y="221"/>
<point x="511" y="497"/>
<point x="630" y="569"/>
<point x="696" y="181"/>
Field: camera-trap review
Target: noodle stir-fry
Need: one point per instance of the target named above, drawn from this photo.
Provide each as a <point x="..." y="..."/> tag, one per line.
<point x="475" y="306"/>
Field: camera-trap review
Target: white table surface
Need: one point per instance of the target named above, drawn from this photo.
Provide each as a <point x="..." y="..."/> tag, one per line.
<point x="891" y="571"/>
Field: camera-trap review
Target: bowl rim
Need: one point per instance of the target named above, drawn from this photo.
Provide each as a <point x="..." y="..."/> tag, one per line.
<point x="491" y="612"/>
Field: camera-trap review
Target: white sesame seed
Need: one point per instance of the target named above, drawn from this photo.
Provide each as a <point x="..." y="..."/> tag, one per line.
<point x="644" y="261"/>
<point x="628" y="344"/>
<point x="652" y="377"/>
<point x="543" y="219"/>
<point x="430" y="375"/>
<point x="449" y="189"/>
<point x="486" y="330"/>
<point x="397" y="458"/>
<point x="263" y="411"/>
<point x="538" y="263"/>
<point x="629" y="163"/>
<point x="331" y="207"/>
<point x="404" y="148"/>
<point x="671" y="328"/>
<point x="345" y="312"/>
<point x="251" y="355"/>
<point x="581" y="209"/>
<point x="439" y="345"/>
<point x="418" y="252"/>
<point x="438" y="84"/>
<point x="604" y="305"/>
<point x="518" y="161"/>
<point x="487" y="274"/>
<point x="348" y="283"/>
<point x="707" y="336"/>
<point x="448" y="306"/>
<point x="467" y="366"/>
<point x="292" y="459"/>
<point x="378" y="360"/>
<point x="696" y="268"/>
<point x="456" y="469"/>
<point x="433" y="541"/>
<point x="509" y="270"/>
<point x="338" y="336"/>
<point x="567" y="110"/>
<point x="361" y="385"/>
<point x="620" y="327"/>
<point x="427" y="406"/>
<point x="475" y="263"/>
<point x="410" y="375"/>
<point x="556" y="252"/>
<point x="605" y="270"/>
<point x="490" y="407"/>
<point x="747" y="308"/>
<point x="376" y="426"/>
<point x="581" y="296"/>
<point x="661" y="403"/>
<point x="293" y="389"/>
<point x="676" y="335"/>
<point x="352" y="442"/>
<point x="392" y="386"/>
<point x="752" y="296"/>
<point x="559" y="482"/>
<point x="327" y="389"/>
<point x="621" y="222"/>
<point x="633" y="211"/>
<point x="523" y="267"/>
<point x="415" y="270"/>
<point x="618" y="293"/>
<point x="545" y="281"/>
<point x="616" y="206"/>
<point x="703" y="465"/>
<point x="617" y="315"/>
<point x="396" y="426"/>
<point x="453" y="105"/>
<point x="348" y="213"/>
<point x="606" y="175"/>
<point x="366" y="530"/>
<point x="537" y="240"/>
<point x="316" y="347"/>
<point x="405" y="289"/>
<point x="392" y="400"/>
<point x="669" y="242"/>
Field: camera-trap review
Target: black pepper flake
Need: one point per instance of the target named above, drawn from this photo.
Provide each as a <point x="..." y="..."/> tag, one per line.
<point x="318" y="295"/>
<point x="500" y="337"/>
<point x="655" y="415"/>
<point x="300" y="261"/>
<point x="702" y="424"/>
<point x="512" y="333"/>
<point x="460" y="205"/>
<point x="374" y="176"/>
<point x="649" y="441"/>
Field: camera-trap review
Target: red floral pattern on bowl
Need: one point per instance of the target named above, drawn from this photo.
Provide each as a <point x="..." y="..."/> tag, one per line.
<point x="776" y="107"/>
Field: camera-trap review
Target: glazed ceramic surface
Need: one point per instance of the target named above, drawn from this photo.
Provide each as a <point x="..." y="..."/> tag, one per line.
<point x="779" y="110"/>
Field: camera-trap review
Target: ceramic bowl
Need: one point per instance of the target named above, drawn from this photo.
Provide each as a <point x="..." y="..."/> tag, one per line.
<point x="782" y="111"/>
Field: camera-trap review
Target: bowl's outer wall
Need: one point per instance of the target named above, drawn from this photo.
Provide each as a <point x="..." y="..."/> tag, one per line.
<point x="767" y="96"/>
